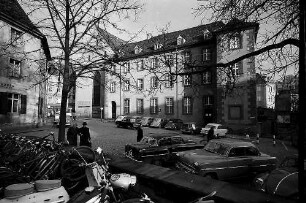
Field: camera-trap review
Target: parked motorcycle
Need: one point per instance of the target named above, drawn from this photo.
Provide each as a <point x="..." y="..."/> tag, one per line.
<point x="106" y="187"/>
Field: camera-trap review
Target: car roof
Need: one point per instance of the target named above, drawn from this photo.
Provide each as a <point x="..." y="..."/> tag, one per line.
<point x="233" y="142"/>
<point x="216" y="124"/>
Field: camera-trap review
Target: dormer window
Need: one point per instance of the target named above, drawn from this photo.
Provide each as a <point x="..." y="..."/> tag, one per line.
<point x="206" y="34"/>
<point x="157" y="46"/>
<point x="137" y="50"/>
<point x="180" y="40"/>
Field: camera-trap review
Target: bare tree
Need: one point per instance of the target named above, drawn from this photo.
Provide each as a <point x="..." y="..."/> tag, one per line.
<point x="71" y="28"/>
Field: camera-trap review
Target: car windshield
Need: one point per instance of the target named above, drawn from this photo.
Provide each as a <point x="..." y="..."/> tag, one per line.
<point x="217" y="148"/>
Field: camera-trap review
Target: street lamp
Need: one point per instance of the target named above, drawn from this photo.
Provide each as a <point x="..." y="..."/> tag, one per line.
<point x="101" y="113"/>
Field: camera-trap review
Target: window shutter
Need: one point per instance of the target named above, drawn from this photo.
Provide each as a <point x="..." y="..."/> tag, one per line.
<point x="23" y="109"/>
<point x="3" y="102"/>
<point x="240" y="68"/>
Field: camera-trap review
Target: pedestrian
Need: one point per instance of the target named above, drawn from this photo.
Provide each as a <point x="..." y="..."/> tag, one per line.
<point x="211" y="133"/>
<point x="139" y="133"/>
<point x="85" y="139"/>
<point x="72" y="135"/>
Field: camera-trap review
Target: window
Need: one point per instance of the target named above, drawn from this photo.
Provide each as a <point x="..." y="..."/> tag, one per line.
<point x="235" y="41"/>
<point x="126" y="68"/>
<point x="237" y="69"/>
<point x="126" y="103"/>
<point x="16" y="37"/>
<point x="153" y="106"/>
<point x="235" y="112"/>
<point x="157" y="46"/>
<point x="187" y="105"/>
<point x="140" y="84"/>
<point x="137" y="50"/>
<point x="258" y="98"/>
<point x="208" y="100"/>
<point x="155" y="62"/>
<point x="139" y="65"/>
<point x="187" y="80"/>
<point x="139" y="106"/>
<point x="187" y="57"/>
<point x="169" y="60"/>
<point x="113" y="87"/>
<point x="13" y="101"/>
<point x="113" y="69"/>
<point x="126" y="86"/>
<point x="154" y="82"/>
<point x="206" y="54"/>
<point x="206" y="77"/>
<point x="169" y="81"/>
<point x="15" y="68"/>
<point x="206" y="34"/>
<point x="180" y="40"/>
<point x="169" y="108"/>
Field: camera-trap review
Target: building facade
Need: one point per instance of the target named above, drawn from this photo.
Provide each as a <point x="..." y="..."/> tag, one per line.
<point x="174" y="75"/>
<point x="23" y="53"/>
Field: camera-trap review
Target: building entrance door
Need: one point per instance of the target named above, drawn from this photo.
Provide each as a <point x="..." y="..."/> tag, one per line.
<point x="114" y="110"/>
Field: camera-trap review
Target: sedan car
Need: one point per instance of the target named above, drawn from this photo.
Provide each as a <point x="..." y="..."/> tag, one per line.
<point x="219" y="130"/>
<point x="225" y="159"/>
<point x="190" y="128"/>
<point x="159" y="148"/>
<point x="158" y="123"/>
<point x="282" y="181"/>
<point x="174" y="124"/>
<point x="145" y="121"/>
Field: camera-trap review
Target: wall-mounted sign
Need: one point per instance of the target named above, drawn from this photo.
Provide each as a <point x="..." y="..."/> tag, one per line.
<point x="6" y="85"/>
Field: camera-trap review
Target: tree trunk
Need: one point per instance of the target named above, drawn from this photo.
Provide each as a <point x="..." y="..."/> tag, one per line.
<point x="66" y="79"/>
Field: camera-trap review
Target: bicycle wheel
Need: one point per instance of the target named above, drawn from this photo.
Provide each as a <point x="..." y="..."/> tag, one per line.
<point x="71" y="170"/>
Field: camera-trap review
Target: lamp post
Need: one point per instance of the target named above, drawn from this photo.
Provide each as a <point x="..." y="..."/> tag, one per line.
<point x="101" y="113"/>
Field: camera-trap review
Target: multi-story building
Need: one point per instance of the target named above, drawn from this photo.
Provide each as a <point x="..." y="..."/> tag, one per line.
<point x="174" y="75"/>
<point x="23" y="53"/>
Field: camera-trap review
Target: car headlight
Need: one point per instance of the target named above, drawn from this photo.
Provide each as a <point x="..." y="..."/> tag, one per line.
<point x="196" y="163"/>
<point x="177" y="154"/>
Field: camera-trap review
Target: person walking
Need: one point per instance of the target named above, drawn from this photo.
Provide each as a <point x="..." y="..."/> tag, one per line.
<point x="139" y="133"/>
<point x="85" y="139"/>
<point x="72" y="134"/>
<point x="211" y="133"/>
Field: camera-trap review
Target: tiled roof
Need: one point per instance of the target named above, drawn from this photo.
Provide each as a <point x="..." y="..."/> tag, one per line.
<point x="236" y="24"/>
<point x="191" y="36"/>
<point x="114" y="42"/>
<point x="12" y="13"/>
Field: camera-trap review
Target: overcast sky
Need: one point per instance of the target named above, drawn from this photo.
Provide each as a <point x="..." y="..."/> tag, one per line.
<point x="157" y="14"/>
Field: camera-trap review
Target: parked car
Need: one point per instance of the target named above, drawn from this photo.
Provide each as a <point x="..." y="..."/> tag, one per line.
<point x="159" y="148"/>
<point x="119" y="118"/>
<point x="135" y="120"/>
<point x="158" y="123"/>
<point x="174" y="124"/>
<point x="145" y="121"/>
<point x="282" y="181"/>
<point x="190" y="128"/>
<point x="219" y="131"/>
<point x="225" y="159"/>
<point x="125" y="122"/>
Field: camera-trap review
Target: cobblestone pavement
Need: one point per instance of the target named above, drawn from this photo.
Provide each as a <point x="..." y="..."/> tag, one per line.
<point x="112" y="140"/>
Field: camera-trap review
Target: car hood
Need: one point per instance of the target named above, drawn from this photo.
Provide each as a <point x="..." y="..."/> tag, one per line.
<point x="146" y="147"/>
<point x="199" y="156"/>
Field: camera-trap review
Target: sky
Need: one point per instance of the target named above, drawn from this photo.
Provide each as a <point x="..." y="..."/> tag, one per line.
<point x="157" y="14"/>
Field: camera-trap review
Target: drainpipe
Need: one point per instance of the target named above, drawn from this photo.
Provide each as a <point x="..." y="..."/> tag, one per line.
<point x="176" y="84"/>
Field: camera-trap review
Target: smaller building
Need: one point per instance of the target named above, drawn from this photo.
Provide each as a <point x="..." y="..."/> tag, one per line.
<point x="23" y="51"/>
